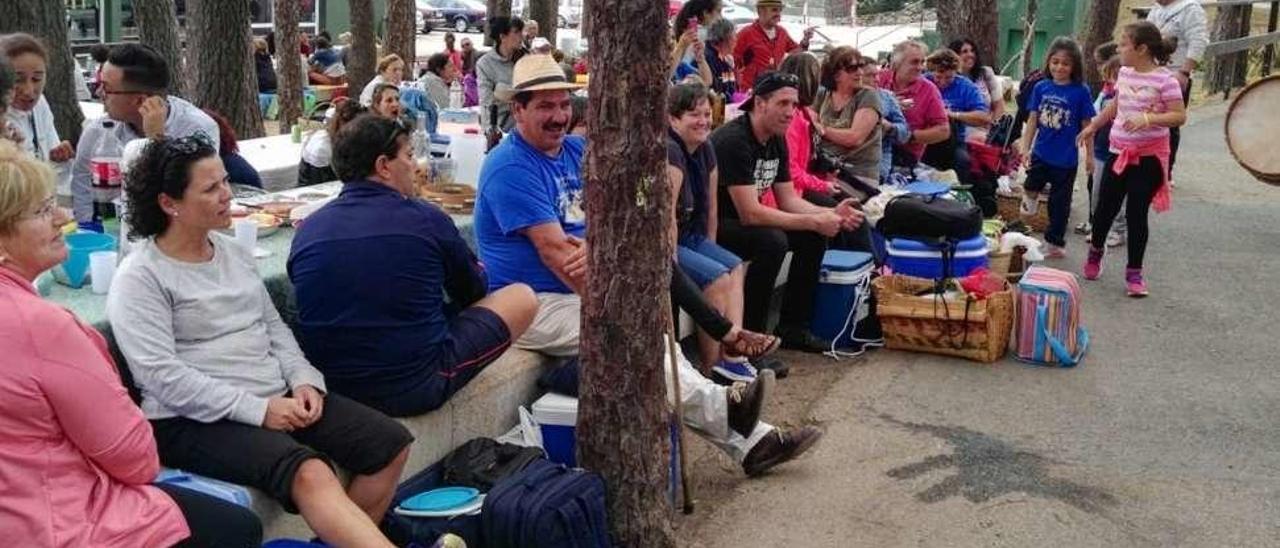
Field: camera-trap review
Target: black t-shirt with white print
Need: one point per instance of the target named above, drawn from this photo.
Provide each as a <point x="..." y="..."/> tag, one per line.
<point x="743" y="160"/>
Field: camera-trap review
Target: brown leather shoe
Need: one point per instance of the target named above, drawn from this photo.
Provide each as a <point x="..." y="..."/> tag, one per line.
<point x="779" y="447"/>
<point x="745" y="401"/>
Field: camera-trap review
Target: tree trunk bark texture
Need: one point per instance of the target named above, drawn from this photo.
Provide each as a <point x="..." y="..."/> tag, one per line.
<point x="225" y="79"/>
<point x="364" y="49"/>
<point x="289" y="70"/>
<point x="546" y="13"/>
<point x="47" y="19"/>
<point x="495" y="8"/>
<point x="1100" y="29"/>
<point x="1229" y="70"/>
<point x="623" y="419"/>
<point x="158" y="28"/>
<point x="1029" y="36"/>
<point x="401" y="34"/>
<point x="977" y="20"/>
<point x="839" y="12"/>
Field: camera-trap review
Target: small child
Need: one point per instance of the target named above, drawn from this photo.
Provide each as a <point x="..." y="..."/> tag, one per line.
<point x="1059" y="108"/>
<point x="1110" y="68"/>
<point x="1148" y="102"/>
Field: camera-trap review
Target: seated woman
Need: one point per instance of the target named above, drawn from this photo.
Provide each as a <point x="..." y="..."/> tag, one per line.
<point x="239" y="170"/>
<point x="229" y="394"/>
<point x="317" y="150"/>
<point x="390" y="71"/>
<point x="77" y="456"/>
<point x="971" y="67"/>
<point x="386" y="102"/>
<point x="850" y="118"/>
<point x="266" y="71"/>
<point x="894" y="125"/>
<point x="691" y="167"/>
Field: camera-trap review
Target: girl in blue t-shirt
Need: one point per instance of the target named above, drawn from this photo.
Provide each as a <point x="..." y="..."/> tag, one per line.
<point x="1060" y="107"/>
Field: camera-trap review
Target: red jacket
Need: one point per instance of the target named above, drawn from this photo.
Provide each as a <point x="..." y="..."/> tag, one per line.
<point x="756" y="53"/>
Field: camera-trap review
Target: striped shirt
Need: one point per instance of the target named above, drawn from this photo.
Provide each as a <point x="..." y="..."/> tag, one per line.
<point x="1138" y="93"/>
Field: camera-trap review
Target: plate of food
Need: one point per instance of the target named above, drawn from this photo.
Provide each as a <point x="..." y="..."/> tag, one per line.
<point x="268" y="224"/>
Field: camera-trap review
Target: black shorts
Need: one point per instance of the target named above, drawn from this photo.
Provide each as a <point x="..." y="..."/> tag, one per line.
<point x="357" y="438"/>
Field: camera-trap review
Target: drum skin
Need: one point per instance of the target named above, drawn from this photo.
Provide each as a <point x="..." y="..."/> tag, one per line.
<point x="1250" y="128"/>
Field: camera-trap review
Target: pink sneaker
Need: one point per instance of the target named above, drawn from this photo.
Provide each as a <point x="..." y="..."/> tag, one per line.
<point x="1093" y="264"/>
<point x="1055" y="252"/>
<point x="1134" y="283"/>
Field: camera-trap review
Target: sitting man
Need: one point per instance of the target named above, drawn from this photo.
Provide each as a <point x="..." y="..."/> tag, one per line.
<point x="372" y="269"/>
<point x="529" y="226"/>
<point x="326" y="66"/>
<point x="752" y="154"/>
<point x="133" y="88"/>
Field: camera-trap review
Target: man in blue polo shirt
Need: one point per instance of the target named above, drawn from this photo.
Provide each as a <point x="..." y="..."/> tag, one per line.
<point x="530" y="226"/>
<point x="965" y="108"/>
<point x="372" y="270"/>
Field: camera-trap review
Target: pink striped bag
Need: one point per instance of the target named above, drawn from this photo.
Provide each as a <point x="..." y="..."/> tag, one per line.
<point x="1048" y="330"/>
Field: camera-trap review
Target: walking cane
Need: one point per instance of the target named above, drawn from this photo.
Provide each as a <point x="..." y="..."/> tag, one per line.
<point x="679" y="413"/>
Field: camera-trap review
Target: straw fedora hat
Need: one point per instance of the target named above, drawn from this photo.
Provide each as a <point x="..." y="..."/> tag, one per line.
<point x="535" y="72"/>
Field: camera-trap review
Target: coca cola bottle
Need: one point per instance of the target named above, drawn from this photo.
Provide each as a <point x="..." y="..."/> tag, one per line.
<point x="104" y="163"/>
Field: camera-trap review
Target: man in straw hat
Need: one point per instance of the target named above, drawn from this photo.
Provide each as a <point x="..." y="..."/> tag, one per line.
<point x="529" y="228"/>
<point x="763" y="44"/>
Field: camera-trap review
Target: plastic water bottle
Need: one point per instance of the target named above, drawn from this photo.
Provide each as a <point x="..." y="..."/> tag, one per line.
<point x="455" y="95"/>
<point x="420" y="141"/>
<point x="105" y="166"/>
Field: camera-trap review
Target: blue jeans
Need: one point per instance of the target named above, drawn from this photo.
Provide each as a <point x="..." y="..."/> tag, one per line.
<point x="704" y="260"/>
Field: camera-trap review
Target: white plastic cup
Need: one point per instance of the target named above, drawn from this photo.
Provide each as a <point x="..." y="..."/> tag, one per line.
<point x="102" y="267"/>
<point x="246" y="233"/>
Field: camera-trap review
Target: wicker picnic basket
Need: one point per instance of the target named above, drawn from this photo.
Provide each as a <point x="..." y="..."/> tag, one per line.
<point x="1008" y="207"/>
<point x="916" y="320"/>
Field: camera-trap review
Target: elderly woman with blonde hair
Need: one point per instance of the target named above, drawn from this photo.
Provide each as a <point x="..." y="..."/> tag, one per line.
<point x="77" y="457"/>
<point x="390" y="71"/>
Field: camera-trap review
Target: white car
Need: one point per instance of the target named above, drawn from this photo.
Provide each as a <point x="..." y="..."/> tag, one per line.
<point x="737" y="14"/>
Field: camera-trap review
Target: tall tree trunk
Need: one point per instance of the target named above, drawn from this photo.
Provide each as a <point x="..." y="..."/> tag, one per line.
<point x="48" y="20"/>
<point x="225" y="78"/>
<point x="289" y="67"/>
<point x="839" y="12"/>
<point x="158" y="27"/>
<point x="1229" y="70"/>
<point x="401" y="34"/>
<point x="545" y="12"/>
<point x="495" y="8"/>
<point x="1100" y="29"/>
<point x="977" y="20"/>
<point x="364" y="49"/>
<point x="622" y="423"/>
<point x="1029" y="36"/>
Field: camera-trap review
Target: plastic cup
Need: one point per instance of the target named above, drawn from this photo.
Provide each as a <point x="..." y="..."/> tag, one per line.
<point x="102" y="268"/>
<point x="246" y="233"/>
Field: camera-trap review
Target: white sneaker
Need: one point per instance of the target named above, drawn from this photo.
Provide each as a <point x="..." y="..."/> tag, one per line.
<point x="1029" y="205"/>
<point x="1115" y="239"/>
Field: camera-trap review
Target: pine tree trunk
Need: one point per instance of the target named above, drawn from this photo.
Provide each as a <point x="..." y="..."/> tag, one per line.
<point x="1229" y="70"/>
<point x="839" y="12"/>
<point x="1100" y="29"/>
<point x="289" y="67"/>
<point x="495" y="8"/>
<point x="401" y="34"/>
<point x="545" y="12"/>
<point x="364" y="49"/>
<point x="623" y="416"/>
<point x="977" y="20"/>
<point x="49" y="17"/>
<point x="1029" y="35"/>
<point x="158" y="27"/>
<point x="225" y="79"/>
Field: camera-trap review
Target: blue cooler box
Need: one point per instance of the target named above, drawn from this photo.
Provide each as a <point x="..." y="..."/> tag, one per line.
<point x="844" y="274"/>
<point x="557" y="416"/>
<point x="924" y="260"/>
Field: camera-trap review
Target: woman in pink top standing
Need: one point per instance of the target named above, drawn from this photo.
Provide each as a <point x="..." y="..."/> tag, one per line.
<point x="1148" y="103"/>
<point x="76" y="455"/>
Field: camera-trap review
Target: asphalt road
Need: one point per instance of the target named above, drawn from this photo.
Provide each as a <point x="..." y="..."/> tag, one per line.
<point x="1165" y="435"/>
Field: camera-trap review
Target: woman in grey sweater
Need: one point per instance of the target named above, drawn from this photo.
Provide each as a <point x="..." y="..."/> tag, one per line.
<point x="228" y="391"/>
<point x="494" y="68"/>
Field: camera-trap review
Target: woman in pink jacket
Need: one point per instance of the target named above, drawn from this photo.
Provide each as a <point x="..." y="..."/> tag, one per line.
<point x="817" y="187"/>
<point x="76" y="455"/>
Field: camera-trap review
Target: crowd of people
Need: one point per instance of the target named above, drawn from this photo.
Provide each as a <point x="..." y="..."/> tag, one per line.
<point x="396" y="313"/>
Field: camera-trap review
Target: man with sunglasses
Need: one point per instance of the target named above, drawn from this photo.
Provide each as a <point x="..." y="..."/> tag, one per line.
<point x="751" y="153"/>
<point x="133" y="89"/>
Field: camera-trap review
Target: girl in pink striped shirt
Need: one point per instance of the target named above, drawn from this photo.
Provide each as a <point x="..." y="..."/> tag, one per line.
<point x="1148" y="103"/>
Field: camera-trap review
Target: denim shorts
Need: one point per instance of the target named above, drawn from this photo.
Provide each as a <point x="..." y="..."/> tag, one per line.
<point x="704" y="261"/>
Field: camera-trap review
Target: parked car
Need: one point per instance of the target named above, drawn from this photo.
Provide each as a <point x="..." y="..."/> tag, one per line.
<point x="459" y="15"/>
<point x="737" y="14"/>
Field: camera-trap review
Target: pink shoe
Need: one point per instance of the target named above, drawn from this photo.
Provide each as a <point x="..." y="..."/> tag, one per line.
<point x="1056" y="252"/>
<point x="1093" y="264"/>
<point x="1134" y="283"/>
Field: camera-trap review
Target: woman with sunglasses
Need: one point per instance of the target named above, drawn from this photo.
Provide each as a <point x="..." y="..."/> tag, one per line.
<point x="77" y="457"/>
<point x="228" y="392"/>
<point x="850" y="115"/>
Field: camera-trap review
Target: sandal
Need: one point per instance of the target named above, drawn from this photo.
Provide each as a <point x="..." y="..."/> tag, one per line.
<point x="751" y="345"/>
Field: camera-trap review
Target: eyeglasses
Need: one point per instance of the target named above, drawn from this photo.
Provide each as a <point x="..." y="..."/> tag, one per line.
<point x="187" y="145"/>
<point x="107" y="93"/>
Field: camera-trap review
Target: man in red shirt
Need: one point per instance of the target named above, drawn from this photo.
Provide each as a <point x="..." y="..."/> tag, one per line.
<point x="763" y="44"/>
<point x="920" y="99"/>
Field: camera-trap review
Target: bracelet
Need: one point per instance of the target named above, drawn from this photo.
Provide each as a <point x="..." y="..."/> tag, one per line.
<point x="1146" y="120"/>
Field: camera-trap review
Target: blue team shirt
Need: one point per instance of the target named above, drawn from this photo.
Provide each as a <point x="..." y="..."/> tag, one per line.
<point x="520" y="187"/>
<point x="1061" y="111"/>
<point x="962" y="96"/>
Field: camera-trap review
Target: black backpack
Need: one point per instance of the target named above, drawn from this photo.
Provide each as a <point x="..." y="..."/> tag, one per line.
<point x="547" y="505"/>
<point x="483" y="462"/>
<point x="928" y="218"/>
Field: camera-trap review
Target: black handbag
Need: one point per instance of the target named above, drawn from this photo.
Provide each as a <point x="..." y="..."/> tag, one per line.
<point x="930" y="218"/>
<point x="824" y="161"/>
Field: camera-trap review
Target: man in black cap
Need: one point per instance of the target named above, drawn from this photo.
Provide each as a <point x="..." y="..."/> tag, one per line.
<point x="752" y="159"/>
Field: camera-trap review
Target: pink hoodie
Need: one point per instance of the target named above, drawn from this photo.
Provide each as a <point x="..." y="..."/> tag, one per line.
<point x="76" y="455"/>
<point x="799" y="148"/>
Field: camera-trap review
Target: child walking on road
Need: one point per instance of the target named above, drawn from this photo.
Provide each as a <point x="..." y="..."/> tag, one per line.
<point x="1148" y="103"/>
<point x="1060" y="107"/>
<point x="1109" y="66"/>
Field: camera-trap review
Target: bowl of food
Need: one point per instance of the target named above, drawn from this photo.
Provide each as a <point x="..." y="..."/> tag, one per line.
<point x="268" y="224"/>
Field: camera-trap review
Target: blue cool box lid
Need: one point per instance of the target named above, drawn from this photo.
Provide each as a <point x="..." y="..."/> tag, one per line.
<point x="845" y="261"/>
<point x="928" y="188"/>
<point x="974" y="244"/>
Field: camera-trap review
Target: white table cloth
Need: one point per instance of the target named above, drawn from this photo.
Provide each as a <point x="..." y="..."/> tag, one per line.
<point x="276" y="159"/>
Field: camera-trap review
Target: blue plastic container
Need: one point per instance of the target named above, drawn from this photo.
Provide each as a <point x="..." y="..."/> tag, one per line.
<point x="924" y="260"/>
<point x="928" y="188"/>
<point x="557" y="418"/>
<point x="844" y="275"/>
<point x="75" y="270"/>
